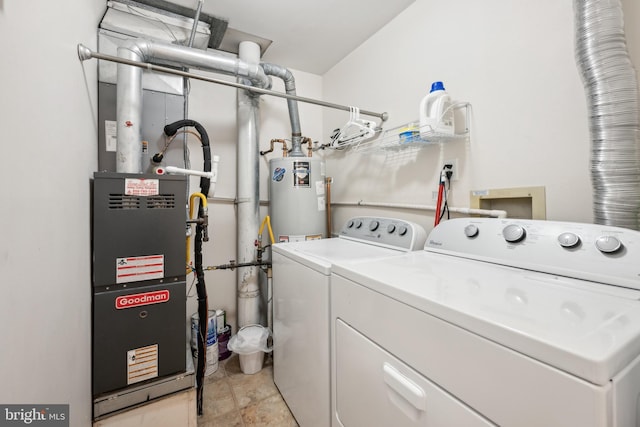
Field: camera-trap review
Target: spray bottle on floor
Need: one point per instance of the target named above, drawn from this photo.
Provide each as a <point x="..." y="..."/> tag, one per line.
<point x="436" y="112"/>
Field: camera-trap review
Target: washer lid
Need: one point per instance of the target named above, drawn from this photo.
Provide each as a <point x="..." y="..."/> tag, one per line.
<point x="585" y="328"/>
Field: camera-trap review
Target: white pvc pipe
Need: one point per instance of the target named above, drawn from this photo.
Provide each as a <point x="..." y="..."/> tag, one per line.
<point x="213" y="175"/>
<point x="248" y="219"/>
<point x="173" y="169"/>
<point x="494" y="213"/>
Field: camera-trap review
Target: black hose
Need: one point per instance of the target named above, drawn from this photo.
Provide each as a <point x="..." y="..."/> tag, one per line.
<point x="203" y="309"/>
<point x="233" y="266"/>
<point x="203" y="315"/>
<point x="172" y="128"/>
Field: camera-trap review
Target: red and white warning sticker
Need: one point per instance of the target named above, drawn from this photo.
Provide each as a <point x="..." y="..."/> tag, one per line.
<point x="136" y="269"/>
<point x="141" y="187"/>
<point x="142" y="364"/>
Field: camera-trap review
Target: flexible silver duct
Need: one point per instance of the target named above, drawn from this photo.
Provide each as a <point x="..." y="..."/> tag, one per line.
<point x="613" y="101"/>
<point x="294" y="117"/>
<point x="129" y="88"/>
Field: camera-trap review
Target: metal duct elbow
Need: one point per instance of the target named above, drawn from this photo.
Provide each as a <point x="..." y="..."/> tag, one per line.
<point x="613" y="102"/>
<point x="129" y="88"/>
<point x="294" y="116"/>
<point x="177" y="55"/>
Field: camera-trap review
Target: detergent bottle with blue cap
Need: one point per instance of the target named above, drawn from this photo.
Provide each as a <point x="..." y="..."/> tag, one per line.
<point x="436" y="112"/>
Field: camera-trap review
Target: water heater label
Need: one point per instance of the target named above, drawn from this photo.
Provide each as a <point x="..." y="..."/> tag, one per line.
<point x="136" y="269"/>
<point x="147" y="298"/>
<point x="320" y="188"/>
<point x="142" y="364"/>
<point x="278" y="174"/>
<point x="301" y="174"/>
<point x="141" y="187"/>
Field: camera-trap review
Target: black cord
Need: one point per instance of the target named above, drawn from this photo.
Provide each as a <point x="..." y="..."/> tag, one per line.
<point x="201" y="288"/>
<point x="172" y="128"/>
<point x="445" y="205"/>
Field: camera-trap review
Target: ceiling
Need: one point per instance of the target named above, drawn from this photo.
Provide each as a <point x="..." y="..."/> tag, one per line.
<point x="306" y="35"/>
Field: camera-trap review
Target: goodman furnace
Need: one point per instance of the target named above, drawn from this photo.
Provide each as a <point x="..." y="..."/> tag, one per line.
<point x="139" y="296"/>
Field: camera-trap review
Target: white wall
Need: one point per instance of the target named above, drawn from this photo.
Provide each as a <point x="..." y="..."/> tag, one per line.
<point x="49" y="138"/>
<point x="514" y="64"/>
<point x="214" y="106"/>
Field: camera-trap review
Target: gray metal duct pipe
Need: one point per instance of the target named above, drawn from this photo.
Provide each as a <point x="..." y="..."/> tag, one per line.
<point x="129" y="115"/>
<point x="129" y="88"/>
<point x="294" y="117"/>
<point x="613" y="100"/>
<point x="248" y="209"/>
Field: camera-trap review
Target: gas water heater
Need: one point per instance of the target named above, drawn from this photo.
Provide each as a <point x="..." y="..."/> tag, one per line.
<point x="297" y="203"/>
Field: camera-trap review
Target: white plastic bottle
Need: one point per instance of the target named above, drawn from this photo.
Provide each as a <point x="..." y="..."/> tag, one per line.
<point x="436" y="112"/>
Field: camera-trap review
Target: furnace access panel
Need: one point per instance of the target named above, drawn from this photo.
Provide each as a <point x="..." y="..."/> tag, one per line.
<point x="139" y="290"/>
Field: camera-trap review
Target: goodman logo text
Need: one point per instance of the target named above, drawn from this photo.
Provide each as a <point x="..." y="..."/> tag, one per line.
<point x="146" y="298"/>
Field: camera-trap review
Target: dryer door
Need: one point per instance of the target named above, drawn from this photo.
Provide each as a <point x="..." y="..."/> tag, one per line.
<point x="374" y="388"/>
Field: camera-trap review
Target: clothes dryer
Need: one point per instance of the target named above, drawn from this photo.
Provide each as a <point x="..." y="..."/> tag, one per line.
<point x="516" y="323"/>
<point x="301" y="276"/>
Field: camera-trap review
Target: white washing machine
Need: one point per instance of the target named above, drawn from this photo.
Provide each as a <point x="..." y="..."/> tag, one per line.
<point x="301" y="283"/>
<point x="513" y="323"/>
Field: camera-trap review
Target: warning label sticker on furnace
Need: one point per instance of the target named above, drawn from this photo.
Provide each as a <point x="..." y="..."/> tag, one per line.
<point x="142" y="364"/>
<point x="141" y="187"/>
<point x="137" y="269"/>
<point x="111" y="135"/>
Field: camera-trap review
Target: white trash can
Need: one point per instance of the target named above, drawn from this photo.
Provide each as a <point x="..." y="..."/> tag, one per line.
<point x="251" y="344"/>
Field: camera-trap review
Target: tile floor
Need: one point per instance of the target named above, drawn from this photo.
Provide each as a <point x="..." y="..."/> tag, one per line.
<point x="234" y="399"/>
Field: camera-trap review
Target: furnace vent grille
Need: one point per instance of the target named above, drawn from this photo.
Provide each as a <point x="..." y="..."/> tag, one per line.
<point x="123" y="201"/>
<point x="161" y="201"/>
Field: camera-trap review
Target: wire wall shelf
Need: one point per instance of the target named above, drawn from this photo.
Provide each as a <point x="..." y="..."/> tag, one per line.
<point x="410" y="136"/>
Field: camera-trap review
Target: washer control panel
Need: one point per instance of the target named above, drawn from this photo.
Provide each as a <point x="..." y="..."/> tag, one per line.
<point x="390" y="232"/>
<point x="588" y="251"/>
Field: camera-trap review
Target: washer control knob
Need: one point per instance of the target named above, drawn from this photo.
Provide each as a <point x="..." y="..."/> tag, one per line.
<point x="358" y="223"/>
<point x="373" y="225"/>
<point x="350" y="224"/>
<point x="569" y="240"/>
<point x="513" y="233"/>
<point x="608" y="244"/>
<point x="391" y="228"/>
<point x="402" y="230"/>
<point x="471" y="230"/>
